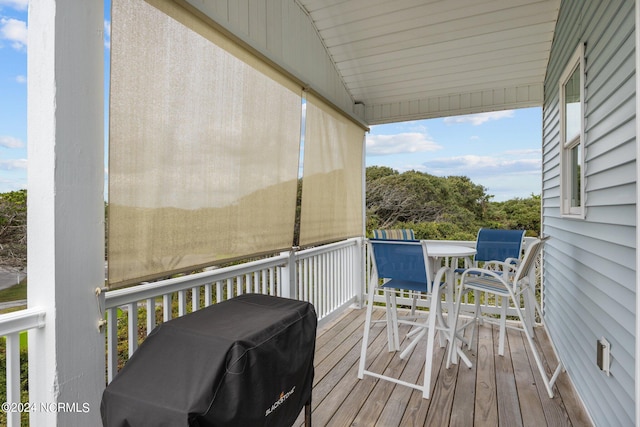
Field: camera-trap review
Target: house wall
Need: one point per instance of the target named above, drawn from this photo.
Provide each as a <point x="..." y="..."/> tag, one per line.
<point x="590" y="278"/>
<point x="281" y="31"/>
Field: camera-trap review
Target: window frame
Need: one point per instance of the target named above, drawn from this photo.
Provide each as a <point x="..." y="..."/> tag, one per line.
<point x="567" y="164"/>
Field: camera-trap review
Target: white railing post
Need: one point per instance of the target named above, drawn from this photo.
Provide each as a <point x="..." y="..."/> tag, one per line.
<point x="289" y="274"/>
<point x="359" y="268"/>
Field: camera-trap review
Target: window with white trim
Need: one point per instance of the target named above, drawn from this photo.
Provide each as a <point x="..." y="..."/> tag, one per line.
<point x="572" y="135"/>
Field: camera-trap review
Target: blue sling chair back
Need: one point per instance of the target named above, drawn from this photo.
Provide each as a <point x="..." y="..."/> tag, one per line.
<point x="498" y="245"/>
<point x="399" y="265"/>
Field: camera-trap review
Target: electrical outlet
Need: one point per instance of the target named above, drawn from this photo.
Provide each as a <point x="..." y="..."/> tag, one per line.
<point x="603" y="355"/>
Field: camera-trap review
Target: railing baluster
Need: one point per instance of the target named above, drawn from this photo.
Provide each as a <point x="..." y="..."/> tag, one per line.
<point x="151" y="314"/>
<point x="166" y="307"/>
<point x="112" y="343"/>
<point x="182" y="303"/>
<point x="13" y="377"/>
<point x="207" y="295"/>
<point x="195" y="299"/>
<point x="230" y="288"/>
<point x="272" y="285"/>
<point x="132" y="326"/>
<point x="219" y="291"/>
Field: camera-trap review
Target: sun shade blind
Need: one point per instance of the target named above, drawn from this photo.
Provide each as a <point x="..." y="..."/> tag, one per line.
<point x="204" y="146"/>
<point x="332" y="180"/>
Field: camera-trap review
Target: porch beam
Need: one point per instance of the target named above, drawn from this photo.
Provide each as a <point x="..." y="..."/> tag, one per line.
<point x="66" y="209"/>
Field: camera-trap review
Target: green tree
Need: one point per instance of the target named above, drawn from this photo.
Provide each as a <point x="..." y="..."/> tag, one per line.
<point x="408" y="197"/>
<point x="377" y="172"/>
<point x="13" y="229"/>
<point x="518" y="214"/>
<point x="442" y="207"/>
<point x="420" y="197"/>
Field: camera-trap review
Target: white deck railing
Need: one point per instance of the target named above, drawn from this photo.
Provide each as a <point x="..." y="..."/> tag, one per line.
<point x="11" y="326"/>
<point x="328" y="276"/>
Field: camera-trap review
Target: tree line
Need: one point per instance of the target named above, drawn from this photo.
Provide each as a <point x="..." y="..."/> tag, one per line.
<point x="452" y="208"/>
<point x="434" y="207"/>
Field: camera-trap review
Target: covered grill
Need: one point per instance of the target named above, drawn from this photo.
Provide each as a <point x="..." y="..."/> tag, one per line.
<point x="247" y="361"/>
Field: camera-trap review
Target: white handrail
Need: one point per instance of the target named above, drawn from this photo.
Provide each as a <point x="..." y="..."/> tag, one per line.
<point x="22" y="320"/>
<point x="124" y="296"/>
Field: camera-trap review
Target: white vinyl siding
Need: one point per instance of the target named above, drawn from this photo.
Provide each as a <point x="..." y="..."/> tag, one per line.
<point x="589" y="267"/>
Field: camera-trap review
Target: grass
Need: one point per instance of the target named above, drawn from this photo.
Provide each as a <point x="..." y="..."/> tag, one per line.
<point x="15" y="292"/>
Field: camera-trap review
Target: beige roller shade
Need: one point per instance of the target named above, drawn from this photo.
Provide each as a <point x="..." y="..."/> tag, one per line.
<point x="332" y="181"/>
<point x="204" y="146"/>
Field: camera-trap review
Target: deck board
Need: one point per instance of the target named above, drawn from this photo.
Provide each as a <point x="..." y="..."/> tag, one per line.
<point x="494" y="391"/>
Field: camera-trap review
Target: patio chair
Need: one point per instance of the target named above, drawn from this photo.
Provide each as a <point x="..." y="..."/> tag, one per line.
<point x="495" y="248"/>
<point x="403" y="265"/>
<point x="511" y="283"/>
<point x="398" y="234"/>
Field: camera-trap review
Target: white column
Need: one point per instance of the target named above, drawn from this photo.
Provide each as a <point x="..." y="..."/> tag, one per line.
<point x="66" y="209"/>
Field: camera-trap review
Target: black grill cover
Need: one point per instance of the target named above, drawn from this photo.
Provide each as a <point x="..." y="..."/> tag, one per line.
<point x="247" y="361"/>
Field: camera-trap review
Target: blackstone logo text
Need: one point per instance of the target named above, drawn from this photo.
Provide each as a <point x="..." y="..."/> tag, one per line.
<point x="283" y="396"/>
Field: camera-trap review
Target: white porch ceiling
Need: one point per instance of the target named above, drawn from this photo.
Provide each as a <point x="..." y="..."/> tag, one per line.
<point x="411" y="59"/>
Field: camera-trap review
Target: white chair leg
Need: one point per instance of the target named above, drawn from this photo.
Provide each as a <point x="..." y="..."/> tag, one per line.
<point x="503" y="324"/>
<point x="392" y="322"/>
<point x="365" y="337"/>
<point x="431" y="334"/>
<point x="548" y="382"/>
<point x="414" y="303"/>
<point x="452" y="352"/>
<point x="442" y="325"/>
<point x="530" y="304"/>
<point x="477" y="317"/>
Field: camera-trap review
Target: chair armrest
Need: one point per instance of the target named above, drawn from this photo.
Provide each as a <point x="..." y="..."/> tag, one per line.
<point x="500" y="265"/>
<point x="475" y="272"/>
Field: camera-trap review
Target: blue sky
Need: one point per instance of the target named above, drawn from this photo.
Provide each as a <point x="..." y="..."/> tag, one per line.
<point x="500" y="151"/>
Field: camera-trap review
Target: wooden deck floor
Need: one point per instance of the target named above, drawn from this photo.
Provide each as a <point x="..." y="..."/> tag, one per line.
<point x="496" y="391"/>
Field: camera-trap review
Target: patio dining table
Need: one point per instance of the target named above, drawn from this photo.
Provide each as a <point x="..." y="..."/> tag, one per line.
<point x="440" y="252"/>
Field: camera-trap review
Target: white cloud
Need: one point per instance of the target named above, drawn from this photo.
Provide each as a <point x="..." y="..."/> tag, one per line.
<point x="107" y="34"/>
<point x="484" y="166"/>
<point x="14" y="31"/>
<point x="10" y="142"/>
<point x="13" y="164"/>
<point x="21" y="79"/>
<point x="15" y="4"/>
<point x="480" y="118"/>
<point x="413" y="142"/>
<point x="537" y="152"/>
